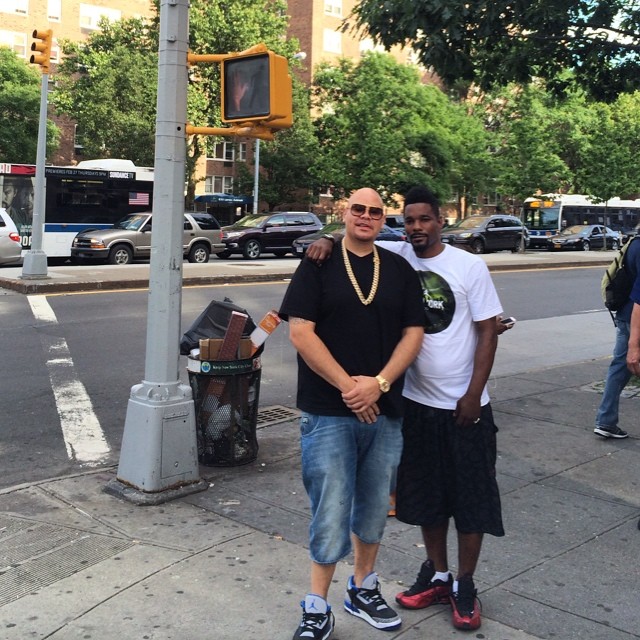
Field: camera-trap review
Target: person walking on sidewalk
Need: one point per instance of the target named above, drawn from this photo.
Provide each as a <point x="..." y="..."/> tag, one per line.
<point x="618" y="375"/>
<point x="447" y="469"/>
<point x="352" y="354"/>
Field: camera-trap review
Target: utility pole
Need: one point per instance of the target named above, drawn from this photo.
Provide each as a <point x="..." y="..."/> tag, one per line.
<point x="256" y="175"/>
<point x="158" y="457"/>
<point x="35" y="260"/>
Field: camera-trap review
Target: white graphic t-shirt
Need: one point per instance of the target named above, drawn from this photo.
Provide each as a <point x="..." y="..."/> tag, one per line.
<point x="457" y="291"/>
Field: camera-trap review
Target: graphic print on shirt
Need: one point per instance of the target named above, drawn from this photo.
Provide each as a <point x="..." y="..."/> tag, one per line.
<point x="438" y="300"/>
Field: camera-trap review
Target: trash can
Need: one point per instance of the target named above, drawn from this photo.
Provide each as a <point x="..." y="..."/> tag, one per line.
<point x="226" y="395"/>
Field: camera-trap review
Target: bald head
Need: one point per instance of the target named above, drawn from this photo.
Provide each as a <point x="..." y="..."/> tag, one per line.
<point x="367" y="196"/>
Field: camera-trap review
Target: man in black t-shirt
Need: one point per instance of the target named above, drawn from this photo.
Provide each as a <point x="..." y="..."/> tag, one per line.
<point x="357" y="323"/>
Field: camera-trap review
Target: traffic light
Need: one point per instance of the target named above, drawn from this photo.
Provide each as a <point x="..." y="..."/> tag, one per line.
<point x="257" y="88"/>
<point x="43" y="47"/>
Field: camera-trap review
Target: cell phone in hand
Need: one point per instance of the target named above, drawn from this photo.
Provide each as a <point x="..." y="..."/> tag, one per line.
<point x="508" y="322"/>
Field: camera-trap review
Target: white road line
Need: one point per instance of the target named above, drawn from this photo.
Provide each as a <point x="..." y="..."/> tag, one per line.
<point x="83" y="436"/>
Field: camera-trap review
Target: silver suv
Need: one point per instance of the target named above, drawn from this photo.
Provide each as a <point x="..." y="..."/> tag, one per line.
<point x="130" y="239"/>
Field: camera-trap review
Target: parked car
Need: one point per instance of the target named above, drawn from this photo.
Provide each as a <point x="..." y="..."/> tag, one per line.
<point x="482" y="234"/>
<point x="301" y="245"/>
<point x="10" y="245"/>
<point x="631" y="233"/>
<point x="130" y="239"/>
<point x="395" y="221"/>
<point x="272" y="232"/>
<point x="583" y="237"/>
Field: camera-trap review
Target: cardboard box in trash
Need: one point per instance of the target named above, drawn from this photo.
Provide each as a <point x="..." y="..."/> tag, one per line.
<point x="233" y="346"/>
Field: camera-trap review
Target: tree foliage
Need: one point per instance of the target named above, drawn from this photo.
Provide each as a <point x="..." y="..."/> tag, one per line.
<point x="494" y="42"/>
<point x="20" y="109"/>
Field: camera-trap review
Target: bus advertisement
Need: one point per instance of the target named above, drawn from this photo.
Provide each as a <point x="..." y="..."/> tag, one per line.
<point x="92" y="194"/>
<point x="547" y="215"/>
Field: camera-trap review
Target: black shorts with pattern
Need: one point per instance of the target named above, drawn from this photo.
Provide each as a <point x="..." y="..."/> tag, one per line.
<point x="447" y="471"/>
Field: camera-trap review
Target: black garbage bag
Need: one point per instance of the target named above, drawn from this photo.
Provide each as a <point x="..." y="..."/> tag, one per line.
<point x="213" y="323"/>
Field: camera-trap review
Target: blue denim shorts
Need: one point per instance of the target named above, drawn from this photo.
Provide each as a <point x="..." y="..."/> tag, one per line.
<point x="347" y="469"/>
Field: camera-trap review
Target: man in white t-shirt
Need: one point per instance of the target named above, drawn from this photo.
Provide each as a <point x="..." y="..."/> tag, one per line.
<point x="447" y="468"/>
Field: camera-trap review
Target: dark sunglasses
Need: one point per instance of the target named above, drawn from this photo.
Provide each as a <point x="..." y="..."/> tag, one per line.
<point x="359" y="210"/>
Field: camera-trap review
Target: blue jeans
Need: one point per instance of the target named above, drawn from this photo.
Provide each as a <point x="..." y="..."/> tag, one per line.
<point x="617" y="377"/>
<point x="347" y="468"/>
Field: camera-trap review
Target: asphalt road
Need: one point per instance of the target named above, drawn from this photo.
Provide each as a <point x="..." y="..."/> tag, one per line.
<point x="99" y="344"/>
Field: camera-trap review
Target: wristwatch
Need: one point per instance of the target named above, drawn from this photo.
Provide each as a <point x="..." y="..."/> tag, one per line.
<point x="328" y="236"/>
<point x="383" y="384"/>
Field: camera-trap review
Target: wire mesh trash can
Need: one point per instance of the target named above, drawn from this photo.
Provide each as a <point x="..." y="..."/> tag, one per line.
<point x="226" y="395"/>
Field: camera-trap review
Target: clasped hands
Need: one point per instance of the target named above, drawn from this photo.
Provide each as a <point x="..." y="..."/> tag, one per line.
<point x="363" y="397"/>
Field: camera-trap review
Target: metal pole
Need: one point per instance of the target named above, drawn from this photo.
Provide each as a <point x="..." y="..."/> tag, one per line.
<point x="35" y="260"/>
<point x="256" y="175"/>
<point x="158" y="459"/>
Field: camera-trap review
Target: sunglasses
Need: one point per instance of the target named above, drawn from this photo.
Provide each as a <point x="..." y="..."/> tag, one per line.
<point x="374" y="212"/>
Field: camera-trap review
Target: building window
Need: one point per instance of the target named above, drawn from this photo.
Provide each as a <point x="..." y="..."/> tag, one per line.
<point x="332" y="41"/>
<point x="224" y="151"/>
<point x="20" y="7"/>
<point x="218" y="184"/>
<point x="54" y="10"/>
<point x="241" y="152"/>
<point x="90" y="16"/>
<point x="17" y="42"/>
<point x="333" y="8"/>
<point x="77" y="140"/>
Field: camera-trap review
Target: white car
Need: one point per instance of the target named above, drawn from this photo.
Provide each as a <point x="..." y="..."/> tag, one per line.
<point x="10" y="245"/>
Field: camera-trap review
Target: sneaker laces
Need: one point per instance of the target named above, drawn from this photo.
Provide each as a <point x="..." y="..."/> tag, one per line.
<point x="425" y="576"/>
<point x="312" y="621"/>
<point x="373" y="597"/>
<point x="465" y="598"/>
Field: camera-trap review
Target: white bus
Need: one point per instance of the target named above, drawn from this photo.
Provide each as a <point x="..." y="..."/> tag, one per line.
<point x="92" y="194"/>
<point x="548" y="214"/>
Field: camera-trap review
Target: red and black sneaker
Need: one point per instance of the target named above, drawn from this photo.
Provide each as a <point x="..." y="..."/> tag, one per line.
<point x="465" y="606"/>
<point x="426" y="591"/>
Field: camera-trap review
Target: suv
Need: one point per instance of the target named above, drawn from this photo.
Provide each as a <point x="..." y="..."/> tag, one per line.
<point x="482" y="234"/>
<point x="268" y="233"/>
<point x="130" y="238"/>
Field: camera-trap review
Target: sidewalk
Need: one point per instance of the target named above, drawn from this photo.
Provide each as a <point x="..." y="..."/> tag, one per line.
<point x="231" y="562"/>
<point x="96" y="277"/>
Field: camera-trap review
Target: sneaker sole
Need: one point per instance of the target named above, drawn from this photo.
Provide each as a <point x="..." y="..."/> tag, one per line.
<point x="607" y="434"/>
<point x="392" y="625"/>
<point x="418" y="602"/>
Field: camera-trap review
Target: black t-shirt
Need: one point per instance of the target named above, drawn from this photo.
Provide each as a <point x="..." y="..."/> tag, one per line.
<point x="360" y="337"/>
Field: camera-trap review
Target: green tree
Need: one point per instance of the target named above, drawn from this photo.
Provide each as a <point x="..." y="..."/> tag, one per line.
<point x="108" y="84"/>
<point x="20" y="108"/>
<point x="285" y="162"/>
<point x="494" y="42"/>
<point x="380" y="126"/>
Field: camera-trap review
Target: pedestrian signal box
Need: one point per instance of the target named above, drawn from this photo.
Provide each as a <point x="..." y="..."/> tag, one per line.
<point x="257" y="88"/>
<point x="43" y="48"/>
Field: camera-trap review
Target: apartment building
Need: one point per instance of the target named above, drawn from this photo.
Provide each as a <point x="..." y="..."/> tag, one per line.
<point x="315" y="23"/>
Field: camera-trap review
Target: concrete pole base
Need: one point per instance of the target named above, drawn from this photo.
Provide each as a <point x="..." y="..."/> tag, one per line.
<point x="34" y="266"/>
<point x="126" y="492"/>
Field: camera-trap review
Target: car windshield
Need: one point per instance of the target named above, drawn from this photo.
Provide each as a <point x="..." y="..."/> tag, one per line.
<point x="250" y="221"/>
<point x="131" y="223"/>
<point x="576" y="228"/>
<point x="468" y="223"/>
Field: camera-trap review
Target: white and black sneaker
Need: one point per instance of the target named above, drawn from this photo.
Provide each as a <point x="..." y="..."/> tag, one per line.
<point x="610" y="432"/>
<point x="317" y="619"/>
<point x="367" y="603"/>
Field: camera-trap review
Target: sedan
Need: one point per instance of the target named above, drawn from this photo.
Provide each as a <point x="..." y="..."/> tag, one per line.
<point x="10" y="244"/>
<point x="301" y="245"/>
<point x="583" y="237"/>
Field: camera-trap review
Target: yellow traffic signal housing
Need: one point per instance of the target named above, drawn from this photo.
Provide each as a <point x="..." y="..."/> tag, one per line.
<point x="257" y="88"/>
<point x="43" y="47"/>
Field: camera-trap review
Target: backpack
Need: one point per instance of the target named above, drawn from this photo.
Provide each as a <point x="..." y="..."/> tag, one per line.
<point x="617" y="282"/>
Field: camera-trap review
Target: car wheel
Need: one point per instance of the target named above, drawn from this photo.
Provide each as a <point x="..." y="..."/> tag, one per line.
<point x="585" y="245"/>
<point x="519" y="246"/>
<point x="223" y="254"/>
<point x="615" y="245"/>
<point x="251" y="250"/>
<point x="477" y="246"/>
<point x="199" y="253"/>
<point x="121" y="254"/>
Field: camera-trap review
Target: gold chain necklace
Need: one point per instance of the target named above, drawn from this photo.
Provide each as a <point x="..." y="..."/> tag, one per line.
<point x="352" y="277"/>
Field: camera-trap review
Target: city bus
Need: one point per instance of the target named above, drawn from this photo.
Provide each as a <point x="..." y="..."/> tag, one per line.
<point x="92" y="194"/>
<point x="548" y="214"/>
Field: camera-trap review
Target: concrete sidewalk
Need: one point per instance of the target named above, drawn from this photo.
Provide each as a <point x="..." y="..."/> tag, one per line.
<point x="232" y="562"/>
<point x="108" y="277"/>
